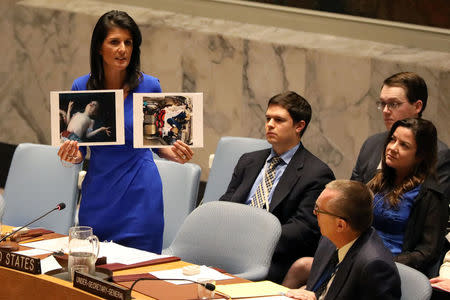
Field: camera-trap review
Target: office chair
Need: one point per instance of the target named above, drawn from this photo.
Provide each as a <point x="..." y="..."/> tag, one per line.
<point x="414" y="284"/>
<point x="37" y="181"/>
<point x="235" y="237"/>
<point x="180" y="191"/>
<point x="229" y="150"/>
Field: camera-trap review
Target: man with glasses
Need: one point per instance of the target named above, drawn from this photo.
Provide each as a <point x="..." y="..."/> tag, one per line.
<point x="351" y="261"/>
<point x="403" y="95"/>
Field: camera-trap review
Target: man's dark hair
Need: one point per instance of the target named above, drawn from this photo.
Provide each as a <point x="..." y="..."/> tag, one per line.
<point x="414" y="86"/>
<point x="297" y="106"/>
<point x="109" y="20"/>
<point x="354" y="203"/>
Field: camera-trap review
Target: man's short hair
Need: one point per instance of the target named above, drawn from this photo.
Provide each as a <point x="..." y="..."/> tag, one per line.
<point x="355" y="203"/>
<point x="297" y="106"/>
<point x="414" y="86"/>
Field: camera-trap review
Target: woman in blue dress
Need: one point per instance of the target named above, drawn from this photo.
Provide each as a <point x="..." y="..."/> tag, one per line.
<point x="122" y="191"/>
<point x="410" y="211"/>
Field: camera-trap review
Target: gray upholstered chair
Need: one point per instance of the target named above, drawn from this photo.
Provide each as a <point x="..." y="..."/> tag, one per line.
<point x="37" y="181"/>
<point x="415" y="285"/>
<point x="229" y="150"/>
<point x="237" y="238"/>
<point x="180" y="191"/>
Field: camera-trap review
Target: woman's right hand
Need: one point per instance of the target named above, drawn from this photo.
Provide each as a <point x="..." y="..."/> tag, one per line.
<point x="69" y="152"/>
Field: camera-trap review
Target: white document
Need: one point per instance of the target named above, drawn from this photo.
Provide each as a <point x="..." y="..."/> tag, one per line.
<point x="49" y="264"/>
<point x="33" y="252"/>
<point x="116" y="253"/>
<point x="205" y="272"/>
<point x="52" y="245"/>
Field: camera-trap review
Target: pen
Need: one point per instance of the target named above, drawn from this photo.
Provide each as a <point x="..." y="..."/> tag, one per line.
<point x="32" y="240"/>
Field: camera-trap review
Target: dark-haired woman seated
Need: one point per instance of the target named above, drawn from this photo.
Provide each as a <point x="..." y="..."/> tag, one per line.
<point x="410" y="211"/>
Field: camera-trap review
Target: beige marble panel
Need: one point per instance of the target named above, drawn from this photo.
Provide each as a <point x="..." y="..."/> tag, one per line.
<point x="337" y="88"/>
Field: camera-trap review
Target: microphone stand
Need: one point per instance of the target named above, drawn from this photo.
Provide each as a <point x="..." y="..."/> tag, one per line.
<point x="9" y="245"/>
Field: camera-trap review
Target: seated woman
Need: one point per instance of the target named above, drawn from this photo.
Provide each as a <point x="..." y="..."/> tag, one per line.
<point x="410" y="211"/>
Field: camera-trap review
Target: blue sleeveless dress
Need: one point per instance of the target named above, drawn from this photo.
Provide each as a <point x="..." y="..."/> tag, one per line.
<point x="122" y="191"/>
<point x="390" y="223"/>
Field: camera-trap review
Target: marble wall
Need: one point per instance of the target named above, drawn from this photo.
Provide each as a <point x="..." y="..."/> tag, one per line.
<point x="237" y="66"/>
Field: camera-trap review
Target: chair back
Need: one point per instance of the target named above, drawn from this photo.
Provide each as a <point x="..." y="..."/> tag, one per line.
<point x="229" y="150"/>
<point x="414" y="284"/>
<point x="37" y="181"/>
<point x="235" y="237"/>
<point x="180" y="191"/>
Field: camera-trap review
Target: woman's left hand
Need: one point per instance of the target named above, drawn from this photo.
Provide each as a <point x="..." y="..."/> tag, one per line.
<point x="179" y="152"/>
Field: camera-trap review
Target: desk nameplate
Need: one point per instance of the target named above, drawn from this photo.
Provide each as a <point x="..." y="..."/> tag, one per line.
<point x="20" y="262"/>
<point x="99" y="287"/>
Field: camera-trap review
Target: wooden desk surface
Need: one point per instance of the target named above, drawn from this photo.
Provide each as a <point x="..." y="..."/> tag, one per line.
<point x="20" y="285"/>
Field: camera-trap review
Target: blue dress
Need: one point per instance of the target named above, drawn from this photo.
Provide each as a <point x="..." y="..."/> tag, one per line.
<point x="122" y="191"/>
<point x="390" y="223"/>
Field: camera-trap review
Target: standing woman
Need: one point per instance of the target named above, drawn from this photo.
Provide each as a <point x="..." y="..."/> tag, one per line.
<point x="410" y="211"/>
<point x="122" y="191"/>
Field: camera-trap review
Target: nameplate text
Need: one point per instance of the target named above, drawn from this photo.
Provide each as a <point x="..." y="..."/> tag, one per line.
<point x="99" y="287"/>
<point x="20" y="262"/>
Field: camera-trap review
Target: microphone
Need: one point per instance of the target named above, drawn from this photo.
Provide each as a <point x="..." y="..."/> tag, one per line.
<point x="60" y="206"/>
<point x="208" y="286"/>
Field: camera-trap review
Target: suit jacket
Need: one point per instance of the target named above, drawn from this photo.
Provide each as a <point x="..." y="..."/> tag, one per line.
<point x="370" y="156"/>
<point x="425" y="229"/>
<point x="292" y="202"/>
<point x="367" y="271"/>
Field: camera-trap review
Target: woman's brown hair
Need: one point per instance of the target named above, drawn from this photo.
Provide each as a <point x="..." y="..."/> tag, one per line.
<point x="425" y="135"/>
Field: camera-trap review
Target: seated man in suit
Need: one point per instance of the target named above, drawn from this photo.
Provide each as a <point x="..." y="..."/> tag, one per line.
<point x="351" y="261"/>
<point x="403" y="95"/>
<point x="285" y="180"/>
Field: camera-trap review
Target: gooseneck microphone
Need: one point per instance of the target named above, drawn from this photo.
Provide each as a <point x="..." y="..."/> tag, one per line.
<point x="60" y="206"/>
<point x="208" y="286"/>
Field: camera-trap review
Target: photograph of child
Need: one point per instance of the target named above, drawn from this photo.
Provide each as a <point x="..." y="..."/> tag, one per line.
<point x="86" y="117"/>
<point x="166" y="118"/>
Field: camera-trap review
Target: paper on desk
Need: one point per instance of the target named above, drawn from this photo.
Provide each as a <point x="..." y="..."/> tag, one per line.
<point x="205" y="272"/>
<point x="52" y="245"/>
<point x="49" y="264"/>
<point x="116" y="253"/>
<point x="33" y="252"/>
<point x="252" y="289"/>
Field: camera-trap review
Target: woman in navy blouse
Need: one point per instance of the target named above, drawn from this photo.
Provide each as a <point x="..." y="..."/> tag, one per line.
<point x="410" y="211"/>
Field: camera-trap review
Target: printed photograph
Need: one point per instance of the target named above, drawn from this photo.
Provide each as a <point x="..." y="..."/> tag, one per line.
<point x="88" y="117"/>
<point x="163" y="118"/>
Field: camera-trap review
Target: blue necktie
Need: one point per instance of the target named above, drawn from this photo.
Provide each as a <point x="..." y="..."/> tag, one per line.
<point x="329" y="271"/>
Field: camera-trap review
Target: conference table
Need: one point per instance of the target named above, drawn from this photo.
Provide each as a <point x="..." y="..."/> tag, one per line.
<point x="20" y="285"/>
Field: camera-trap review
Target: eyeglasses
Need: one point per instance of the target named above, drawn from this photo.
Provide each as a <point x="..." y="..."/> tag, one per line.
<point x="391" y="106"/>
<point x="317" y="211"/>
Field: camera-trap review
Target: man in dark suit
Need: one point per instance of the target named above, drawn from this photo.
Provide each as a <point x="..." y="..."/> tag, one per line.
<point x="351" y="261"/>
<point x="403" y="95"/>
<point x="287" y="188"/>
